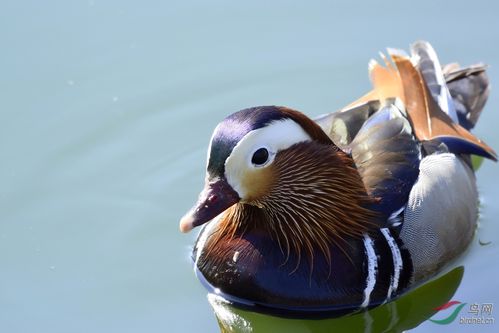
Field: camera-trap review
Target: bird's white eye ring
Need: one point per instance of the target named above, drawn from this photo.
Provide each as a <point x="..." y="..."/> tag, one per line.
<point x="260" y="157"/>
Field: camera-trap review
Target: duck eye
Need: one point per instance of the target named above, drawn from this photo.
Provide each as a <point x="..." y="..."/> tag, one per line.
<point x="260" y="156"/>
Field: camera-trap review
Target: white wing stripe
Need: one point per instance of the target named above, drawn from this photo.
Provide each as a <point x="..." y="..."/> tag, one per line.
<point x="397" y="262"/>
<point x="372" y="267"/>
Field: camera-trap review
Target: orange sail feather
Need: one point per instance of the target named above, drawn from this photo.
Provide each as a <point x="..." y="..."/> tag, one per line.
<point x="428" y="120"/>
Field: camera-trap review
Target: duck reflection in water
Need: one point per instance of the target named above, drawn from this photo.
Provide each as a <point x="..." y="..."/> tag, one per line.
<point x="403" y="314"/>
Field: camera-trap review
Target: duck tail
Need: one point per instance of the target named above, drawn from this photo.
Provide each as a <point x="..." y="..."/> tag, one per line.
<point x="419" y="82"/>
<point x="460" y="92"/>
<point x="469" y="88"/>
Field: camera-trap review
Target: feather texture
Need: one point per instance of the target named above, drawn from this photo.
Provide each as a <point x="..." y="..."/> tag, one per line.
<point x="318" y="199"/>
<point x="429" y="122"/>
<point x="469" y="88"/>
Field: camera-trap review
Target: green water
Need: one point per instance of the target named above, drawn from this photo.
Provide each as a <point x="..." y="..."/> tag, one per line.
<point x="106" y="109"/>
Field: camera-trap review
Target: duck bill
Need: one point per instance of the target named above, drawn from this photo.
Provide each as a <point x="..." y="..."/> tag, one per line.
<point x="215" y="198"/>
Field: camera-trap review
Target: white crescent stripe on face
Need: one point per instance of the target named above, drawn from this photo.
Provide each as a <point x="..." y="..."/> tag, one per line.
<point x="372" y="268"/>
<point x="397" y="261"/>
<point x="275" y="136"/>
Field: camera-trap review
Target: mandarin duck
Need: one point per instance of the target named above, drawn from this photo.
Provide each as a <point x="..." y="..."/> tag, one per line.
<point x="320" y="218"/>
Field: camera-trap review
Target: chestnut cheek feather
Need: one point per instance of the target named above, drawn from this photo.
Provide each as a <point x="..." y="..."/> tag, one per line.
<point x="258" y="183"/>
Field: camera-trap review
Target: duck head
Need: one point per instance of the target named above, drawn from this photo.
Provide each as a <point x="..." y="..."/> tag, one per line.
<point x="241" y="158"/>
<point x="278" y="161"/>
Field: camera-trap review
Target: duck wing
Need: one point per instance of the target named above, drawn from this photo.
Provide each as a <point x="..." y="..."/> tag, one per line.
<point x="431" y="119"/>
<point x="387" y="156"/>
<point x="380" y="139"/>
<point x="410" y="113"/>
